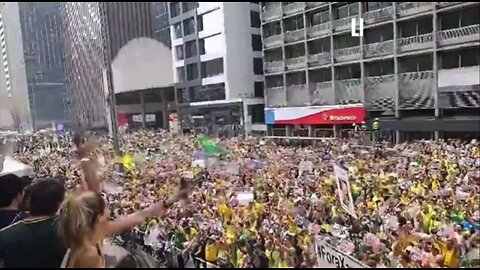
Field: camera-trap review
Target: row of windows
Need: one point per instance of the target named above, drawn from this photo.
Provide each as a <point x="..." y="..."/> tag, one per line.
<point x="449" y="20"/>
<point x="152" y="96"/>
<point x="211" y="68"/>
<point x="380" y="34"/>
<point x="211" y="92"/>
<point x="208" y="69"/>
<point x="448" y="60"/>
<point x="177" y="8"/>
<point x="191" y="47"/>
<point x="201" y="93"/>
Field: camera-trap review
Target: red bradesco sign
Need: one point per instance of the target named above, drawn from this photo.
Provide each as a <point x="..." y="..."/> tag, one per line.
<point x="317" y="115"/>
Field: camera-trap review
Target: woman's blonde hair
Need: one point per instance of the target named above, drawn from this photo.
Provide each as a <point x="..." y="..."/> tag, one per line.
<point x="78" y="216"/>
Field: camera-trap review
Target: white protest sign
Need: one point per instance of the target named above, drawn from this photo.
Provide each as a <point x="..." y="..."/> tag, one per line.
<point x="245" y="198"/>
<point x="329" y="257"/>
<point x="344" y="190"/>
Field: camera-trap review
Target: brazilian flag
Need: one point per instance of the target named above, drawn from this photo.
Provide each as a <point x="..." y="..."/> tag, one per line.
<point x="209" y="146"/>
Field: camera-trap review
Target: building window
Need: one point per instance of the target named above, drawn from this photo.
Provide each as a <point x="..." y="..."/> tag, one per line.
<point x="181" y="74"/>
<point x="179" y="52"/>
<point x="272" y="29"/>
<point x="181" y="96"/>
<point x="371" y="6"/>
<point x="187" y="6"/>
<point x="347" y="10"/>
<point x="190" y="49"/>
<point x="188" y="26"/>
<point x="319" y="17"/>
<point x="258" y="88"/>
<point x="194" y="93"/>
<point x="178" y="30"/>
<point x="199" y="23"/>
<point x="192" y="71"/>
<point x="257" y="112"/>
<point x="201" y="46"/>
<point x="257" y="43"/>
<point x="212" y="68"/>
<point x="254" y="19"/>
<point x="170" y="95"/>
<point x="174" y="9"/>
<point x="258" y="66"/>
<point x="294" y="23"/>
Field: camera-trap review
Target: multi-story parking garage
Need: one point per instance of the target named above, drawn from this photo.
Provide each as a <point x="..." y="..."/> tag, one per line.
<point x="416" y="68"/>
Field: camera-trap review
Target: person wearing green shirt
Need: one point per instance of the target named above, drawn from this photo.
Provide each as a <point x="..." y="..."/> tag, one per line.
<point x="35" y="242"/>
<point x="376" y="130"/>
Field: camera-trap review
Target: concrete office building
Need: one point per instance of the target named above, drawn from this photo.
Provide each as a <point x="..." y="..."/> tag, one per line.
<point x="416" y="68"/>
<point x="218" y="66"/>
<point x="134" y="39"/>
<point x="33" y="67"/>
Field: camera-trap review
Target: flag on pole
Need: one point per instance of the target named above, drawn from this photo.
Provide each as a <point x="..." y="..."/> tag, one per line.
<point x="209" y="146"/>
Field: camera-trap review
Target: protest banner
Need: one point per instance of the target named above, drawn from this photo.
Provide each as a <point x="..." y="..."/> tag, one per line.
<point x="330" y="257"/>
<point x="344" y="190"/>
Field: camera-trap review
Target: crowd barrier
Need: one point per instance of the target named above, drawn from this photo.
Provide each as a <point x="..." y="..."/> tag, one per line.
<point x="327" y="256"/>
<point x="167" y="254"/>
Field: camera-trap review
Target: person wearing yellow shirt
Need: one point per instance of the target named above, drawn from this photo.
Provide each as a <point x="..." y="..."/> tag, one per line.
<point x="225" y="212"/>
<point x="450" y="253"/>
<point x="427" y="214"/>
<point x="211" y="251"/>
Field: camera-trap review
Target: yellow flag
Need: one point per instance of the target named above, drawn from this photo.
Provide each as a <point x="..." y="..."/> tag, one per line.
<point x="127" y="161"/>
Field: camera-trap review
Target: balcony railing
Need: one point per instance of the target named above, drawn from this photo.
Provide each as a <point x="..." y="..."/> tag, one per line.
<point x="378" y="49"/>
<point x="272" y="14"/>
<point x="274" y="66"/>
<point x="347" y="54"/>
<point x="316" y="4"/>
<point x="446" y="4"/>
<point x="415" y="43"/>
<point x="296" y="35"/>
<point x="416" y="90"/>
<point x="410" y="8"/>
<point x="348" y="91"/>
<point x="275" y="96"/>
<point x="298" y="95"/>
<point x="319" y="59"/>
<point x="461" y="35"/>
<point x="319" y="29"/>
<point x="322" y="93"/>
<point x="294" y="63"/>
<point x="379" y="15"/>
<point x="458" y="95"/>
<point x="380" y="92"/>
<point x="293" y="7"/>
<point x="343" y="24"/>
<point x="273" y="41"/>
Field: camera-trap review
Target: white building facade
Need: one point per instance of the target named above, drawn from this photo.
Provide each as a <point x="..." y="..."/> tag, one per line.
<point x="218" y="65"/>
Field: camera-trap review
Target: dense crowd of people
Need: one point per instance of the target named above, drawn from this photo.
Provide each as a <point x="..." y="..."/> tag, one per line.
<point x="262" y="204"/>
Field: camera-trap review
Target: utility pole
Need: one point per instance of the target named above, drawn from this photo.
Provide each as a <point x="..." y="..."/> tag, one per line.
<point x="107" y="57"/>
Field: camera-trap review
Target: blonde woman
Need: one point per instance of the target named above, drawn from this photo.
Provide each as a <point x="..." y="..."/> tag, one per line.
<point x="85" y="223"/>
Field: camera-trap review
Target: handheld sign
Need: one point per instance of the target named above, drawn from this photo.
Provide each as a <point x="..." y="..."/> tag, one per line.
<point x="344" y="190"/>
